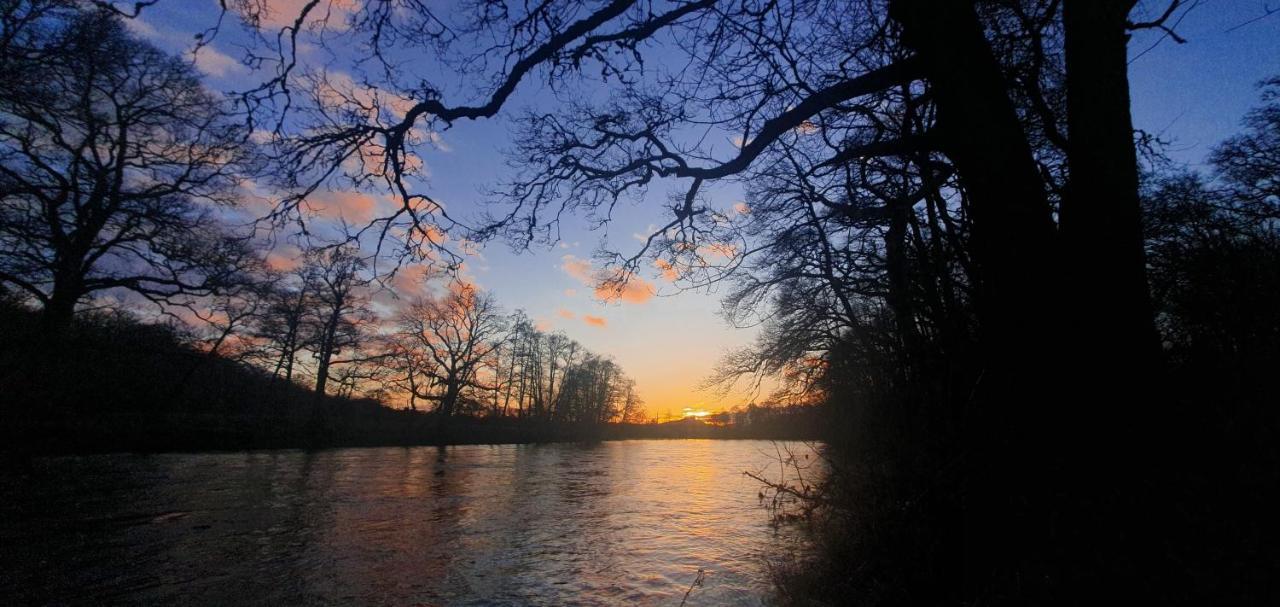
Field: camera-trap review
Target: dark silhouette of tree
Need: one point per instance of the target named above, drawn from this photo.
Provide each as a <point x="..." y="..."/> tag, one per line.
<point x="1249" y="163"/>
<point x="281" y="321"/>
<point x="115" y="162"/>
<point x="338" y="319"/>
<point x="449" y="340"/>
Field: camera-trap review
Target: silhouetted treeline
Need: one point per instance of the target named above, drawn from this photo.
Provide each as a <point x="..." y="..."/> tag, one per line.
<point x="118" y="384"/>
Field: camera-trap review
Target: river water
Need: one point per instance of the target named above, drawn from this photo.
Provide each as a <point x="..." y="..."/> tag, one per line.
<point x="626" y="522"/>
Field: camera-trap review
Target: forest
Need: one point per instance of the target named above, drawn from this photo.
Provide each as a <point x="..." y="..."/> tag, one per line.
<point x="1043" y="353"/>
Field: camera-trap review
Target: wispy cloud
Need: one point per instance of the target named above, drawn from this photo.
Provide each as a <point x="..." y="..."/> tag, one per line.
<point x="215" y="63"/>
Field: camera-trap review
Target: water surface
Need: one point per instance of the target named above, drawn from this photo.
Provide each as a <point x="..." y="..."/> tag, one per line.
<point x="556" y="524"/>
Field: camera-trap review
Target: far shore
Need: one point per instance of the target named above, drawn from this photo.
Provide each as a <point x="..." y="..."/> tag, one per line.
<point x="112" y="434"/>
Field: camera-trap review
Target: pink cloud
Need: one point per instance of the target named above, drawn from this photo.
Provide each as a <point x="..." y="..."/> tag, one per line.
<point x="411" y="278"/>
<point x="634" y="290"/>
<point x="668" y="271"/>
<point x="595" y="321"/>
<point x="355" y="207"/>
<point x="280" y="13"/>
<point x="579" y="269"/>
<point x="282" y="263"/>
<point x="607" y="286"/>
<point x="565" y="313"/>
<point x="284" y="258"/>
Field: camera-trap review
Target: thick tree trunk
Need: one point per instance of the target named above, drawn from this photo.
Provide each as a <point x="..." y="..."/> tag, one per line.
<point x="1009" y="434"/>
<point x="1101" y="214"/>
<point x="60" y="309"/>
<point x="58" y="313"/>
<point x="1113" y="342"/>
<point x="450" y="399"/>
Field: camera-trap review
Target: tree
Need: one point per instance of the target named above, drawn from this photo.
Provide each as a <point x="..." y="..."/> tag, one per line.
<point x="339" y="317"/>
<point x="281" y="321"/>
<point x="448" y="341"/>
<point x="113" y="162"/>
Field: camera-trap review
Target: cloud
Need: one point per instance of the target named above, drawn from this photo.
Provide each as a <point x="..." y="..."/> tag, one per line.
<point x="565" y="313"/>
<point x="142" y="29"/>
<point x="644" y="236"/>
<point x="579" y="269"/>
<point x="668" y="271"/>
<point x="355" y="207"/>
<point x="411" y="278"/>
<point x="807" y="127"/>
<point x="741" y="208"/>
<point x="608" y="286"/>
<point x="718" y="249"/>
<point x="570" y="292"/>
<point x="280" y="13"/>
<point x="635" y="290"/>
<point x="282" y="262"/>
<point x="215" y="63"/>
<point x="595" y="321"/>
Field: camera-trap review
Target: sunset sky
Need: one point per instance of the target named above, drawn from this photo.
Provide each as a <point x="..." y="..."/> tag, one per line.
<point x="1191" y="95"/>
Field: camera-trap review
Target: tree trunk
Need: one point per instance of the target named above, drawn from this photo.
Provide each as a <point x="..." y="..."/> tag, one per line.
<point x="450" y="399"/>
<point x="1113" y="343"/>
<point x="1009" y="433"/>
<point x="1101" y="215"/>
<point x="326" y="350"/>
<point x="60" y="309"/>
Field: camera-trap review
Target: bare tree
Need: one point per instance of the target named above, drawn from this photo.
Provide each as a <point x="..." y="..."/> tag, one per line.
<point x="339" y="317"/>
<point x="114" y="161"/>
<point x="448" y="340"/>
<point x="281" y="321"/>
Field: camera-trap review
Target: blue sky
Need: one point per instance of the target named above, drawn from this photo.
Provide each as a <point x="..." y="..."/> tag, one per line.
<point x="1191" y="94"/>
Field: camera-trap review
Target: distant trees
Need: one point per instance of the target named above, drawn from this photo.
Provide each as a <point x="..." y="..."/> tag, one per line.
<point x="1213" y="244"/>
<point x="114" y="161"/>
<point x="446" y="345"/>
<point x="455" y="349"/>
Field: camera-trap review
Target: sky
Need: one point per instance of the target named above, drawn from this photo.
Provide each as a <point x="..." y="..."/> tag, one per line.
<point x="1191" y="95"/>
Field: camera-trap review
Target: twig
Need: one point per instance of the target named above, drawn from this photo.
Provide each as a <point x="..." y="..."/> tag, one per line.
<point x="697" y="581"/>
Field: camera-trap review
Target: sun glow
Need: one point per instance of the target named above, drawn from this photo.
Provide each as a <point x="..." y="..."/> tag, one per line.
<point x="697" y="413"/>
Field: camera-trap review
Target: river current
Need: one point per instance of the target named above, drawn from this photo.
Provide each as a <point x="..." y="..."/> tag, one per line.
<point x="611" y="523"/>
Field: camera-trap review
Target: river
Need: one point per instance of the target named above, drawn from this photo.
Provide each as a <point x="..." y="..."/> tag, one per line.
<point x="625" y="522"/>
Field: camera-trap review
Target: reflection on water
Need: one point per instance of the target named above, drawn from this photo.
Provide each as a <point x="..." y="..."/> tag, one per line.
<point x="559" y="524"/>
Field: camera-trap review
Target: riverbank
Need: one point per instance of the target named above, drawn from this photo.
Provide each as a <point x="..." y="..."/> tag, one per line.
<point x="117" y="385"/>
<point x="345" y="424"/>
